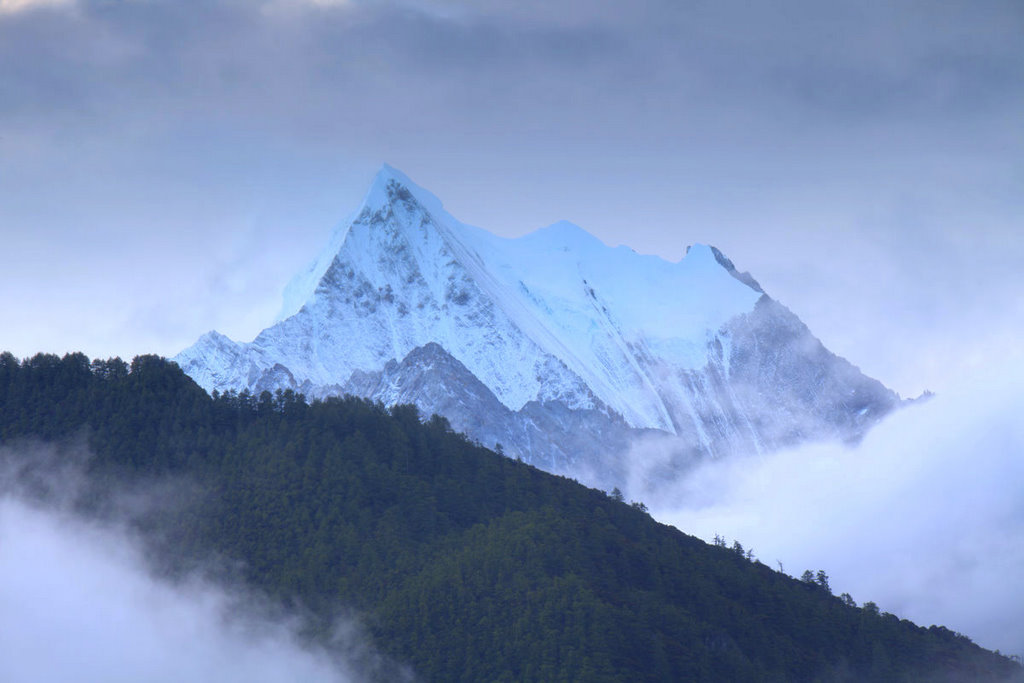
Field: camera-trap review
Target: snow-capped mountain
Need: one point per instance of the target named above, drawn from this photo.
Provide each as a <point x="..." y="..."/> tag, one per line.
<point x="553" y="344"/>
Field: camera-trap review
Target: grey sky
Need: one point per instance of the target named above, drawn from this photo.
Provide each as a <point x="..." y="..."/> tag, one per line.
<point x="166" y="166"/>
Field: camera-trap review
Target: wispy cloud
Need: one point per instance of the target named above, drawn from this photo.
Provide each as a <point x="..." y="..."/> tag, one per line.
<point x="924" y="517"/>
<point x="79" y="599"/>
<point x="12" y="6"/>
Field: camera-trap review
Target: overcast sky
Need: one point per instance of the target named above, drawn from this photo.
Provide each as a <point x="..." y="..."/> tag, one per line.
<point x="165" y="166"/>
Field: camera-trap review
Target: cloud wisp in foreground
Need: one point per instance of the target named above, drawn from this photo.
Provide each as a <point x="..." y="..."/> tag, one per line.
<point x="78" y="601"/>
<point x="925" y="517"/>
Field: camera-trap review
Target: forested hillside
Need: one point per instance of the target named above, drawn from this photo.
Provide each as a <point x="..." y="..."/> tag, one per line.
<point x="466" y="565"/>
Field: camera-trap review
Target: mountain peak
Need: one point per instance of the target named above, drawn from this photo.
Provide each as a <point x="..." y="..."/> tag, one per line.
<point x="565" y="236"/>
<point x="388" y="177"/>
<point x="707" y="253"/>
<point x="390" y="184"/>
<point x="555" y="322"/>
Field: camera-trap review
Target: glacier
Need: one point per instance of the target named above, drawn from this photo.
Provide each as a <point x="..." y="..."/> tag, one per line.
<point x="555" y="345"/>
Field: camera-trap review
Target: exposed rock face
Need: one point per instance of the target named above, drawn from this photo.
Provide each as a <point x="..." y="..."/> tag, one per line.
<point x="557" y="347"/>
<point x="552" y="435"/>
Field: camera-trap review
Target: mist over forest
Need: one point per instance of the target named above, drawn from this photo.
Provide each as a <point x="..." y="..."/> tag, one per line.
<point x="89" y="593"/>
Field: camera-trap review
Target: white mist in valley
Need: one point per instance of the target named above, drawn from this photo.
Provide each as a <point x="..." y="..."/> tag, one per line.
<point x="79" y="602"/>
<point x="925" y="517"/>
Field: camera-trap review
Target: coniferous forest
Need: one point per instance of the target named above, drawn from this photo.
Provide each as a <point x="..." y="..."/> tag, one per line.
<point x="463" y="564"/>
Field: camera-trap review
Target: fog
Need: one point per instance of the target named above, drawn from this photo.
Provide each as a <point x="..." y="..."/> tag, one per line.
<point x="79" y="601"/>
<point x="925" y="517"/>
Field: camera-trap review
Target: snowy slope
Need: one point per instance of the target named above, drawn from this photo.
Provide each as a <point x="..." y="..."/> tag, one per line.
<point x="554" y="317"/>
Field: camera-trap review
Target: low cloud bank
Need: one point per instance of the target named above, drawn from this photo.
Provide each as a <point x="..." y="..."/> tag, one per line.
<point x="925" y="517"/>
<point x="78" y="602"/>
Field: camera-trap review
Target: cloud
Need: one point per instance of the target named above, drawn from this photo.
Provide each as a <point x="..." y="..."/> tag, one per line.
<point x="79" y="601"/>
<point x="924" y="517"/>
<point x="283" y="7"/>
<point x="78" y="605"/>
<point x="12" y="6"/>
